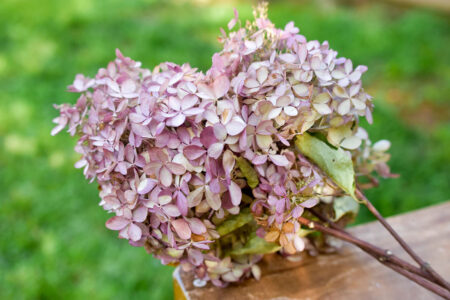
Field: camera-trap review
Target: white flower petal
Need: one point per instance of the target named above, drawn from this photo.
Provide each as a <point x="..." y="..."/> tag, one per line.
<point x="301" y="90"/>
<point x="344" y="107"/>
<point x="322" y="109"/>
<point x="290" y="111"/>
<point x="351" y="143"/>
<point x="275" y="112"/>
<point x="381" y="146"/>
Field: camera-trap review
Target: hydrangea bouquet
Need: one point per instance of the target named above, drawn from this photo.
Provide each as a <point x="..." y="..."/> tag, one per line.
<point x="212" y="170"/>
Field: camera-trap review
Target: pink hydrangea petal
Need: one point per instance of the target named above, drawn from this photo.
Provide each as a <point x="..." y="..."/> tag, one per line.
<point x="235" y="193"/>
<point x="193" y="111"/>
<point x="215" y="150"/>
<point x="182" y="203"/>
<point x="176" y="169"/>
<point x="221" y="86"/>
<point x="212" y="199"/>
<point x="197" y="226"/>
<point x="188" y="101"/>
<point x="310" y="203"/>
<point x="174" y="103"/>
<point x="117" y="223"/>
<point x="235" y="126"/>
<point x="176" y="121"/>
<point x="141" y="130"/>
<point x="279" y="160"/>
<point x="220" y="131"/>
<point x="134" y="232"/>
<point x="146" y="185"/>
<point x="171" y="210"/>
<point x="207" y="137"/>
<point x="297" y="211"/>
<point x="165" y="176"/>
<point x="182" y="229"/>
<point x="259" y="159"/>
<point x="193" y="152"/>
<point x="140" y="214"/>
<point x="228" y="161"/>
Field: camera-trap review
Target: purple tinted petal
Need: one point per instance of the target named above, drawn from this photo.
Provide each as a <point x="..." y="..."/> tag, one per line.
<point x="117" y="223"/>
<point x="193" y="152"/>
<point x="171" y="210"/>
<point x="228" y="162"/>
<point x="146" y="186"/>
<point x="197" y="226"/>
<point x="174" y="103"/>
<point x="214" y="186"/>
<point x="259" y="159"/>
<point x="215" y="150"/>
<point x="220" y="131"/>
<point x="182" y="203"/>
<point x="201" y="245"/>
<point x="134" y="232"/>
<point x="207" y="137"/>
<point x="297" y="212"/>
<point x="279" y="206"/>
<point x="140" y="214"/>
<point x="280" y="191"/>
<point x="188" y="101"/>
<point x="235" y="126"/>
<point x="193" y="111"/>
<point x="141" y="130"/>
<point x="177" y="169"/>
<point x="279" y="160"/>
<point x="176" y="121"/>
<point x="310" y="203"/>
<point x="165" y="176"/>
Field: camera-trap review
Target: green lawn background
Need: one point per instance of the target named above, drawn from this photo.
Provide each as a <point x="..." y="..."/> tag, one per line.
<point x="53" y="244"/>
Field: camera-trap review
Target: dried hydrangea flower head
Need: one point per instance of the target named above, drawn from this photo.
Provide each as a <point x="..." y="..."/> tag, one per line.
<point x="202" y="169"/>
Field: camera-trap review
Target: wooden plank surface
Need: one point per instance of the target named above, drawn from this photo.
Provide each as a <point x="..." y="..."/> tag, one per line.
<point x="350" y="274"/>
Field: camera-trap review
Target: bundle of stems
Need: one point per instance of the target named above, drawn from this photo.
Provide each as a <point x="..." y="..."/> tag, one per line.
<point x="423" y="274"/>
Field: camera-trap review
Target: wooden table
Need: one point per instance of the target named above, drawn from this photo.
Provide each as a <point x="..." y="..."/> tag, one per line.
<point x="350" y="274"/>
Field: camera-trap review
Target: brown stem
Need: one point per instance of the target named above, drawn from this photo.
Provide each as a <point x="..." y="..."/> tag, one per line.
<point x="375" y="251"/>
<point x="424" y="265"/>
<point x="431" y="286"/>
<point x="351" y="239"/>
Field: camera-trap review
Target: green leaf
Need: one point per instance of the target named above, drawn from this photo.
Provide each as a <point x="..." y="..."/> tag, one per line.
<point x="336" y="163"/>
<point x="248" y="172"/>
<point x="345" y="206"/>
<point x="256" y="245"/>
<point x="234" y="222"/>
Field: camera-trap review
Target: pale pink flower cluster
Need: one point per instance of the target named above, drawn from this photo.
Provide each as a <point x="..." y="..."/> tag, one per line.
<point x="163" y="144"/>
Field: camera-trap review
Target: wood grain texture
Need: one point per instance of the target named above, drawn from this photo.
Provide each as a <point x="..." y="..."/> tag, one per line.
<point x="349" y="274"/>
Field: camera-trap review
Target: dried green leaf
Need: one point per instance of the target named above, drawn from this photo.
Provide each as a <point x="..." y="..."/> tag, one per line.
<point x="256" y="245"/>
<point x="336" y="163"/>
<point x="248" y="172"/>
<point x="345" y="206"/>
<point x="234" y="222"/>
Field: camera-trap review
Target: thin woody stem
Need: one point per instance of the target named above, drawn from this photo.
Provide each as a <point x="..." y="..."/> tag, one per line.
<point x="424" y="265"/>
<point x="373" y="250"/>
<point x="431" y="286"/>
<point x="348" y="238"/>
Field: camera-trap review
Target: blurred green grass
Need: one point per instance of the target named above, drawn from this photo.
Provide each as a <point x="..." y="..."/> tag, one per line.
<point x="53" y="243"/>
